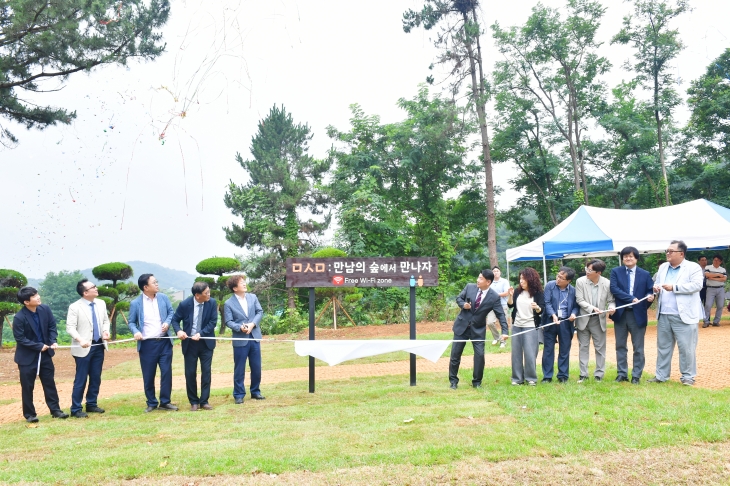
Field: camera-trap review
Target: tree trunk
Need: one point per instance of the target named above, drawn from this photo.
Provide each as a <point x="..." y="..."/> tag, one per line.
<point x="659" y="137"/>
<point x="480" y="104"/>
<point x="290" y="298"/>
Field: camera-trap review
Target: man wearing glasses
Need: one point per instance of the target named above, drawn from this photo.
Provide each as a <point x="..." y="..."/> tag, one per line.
<point x="561" y="309"/>
<point x="630" y="284"/>
<point x="88" y="324"/>
<point x="678" y="284"/>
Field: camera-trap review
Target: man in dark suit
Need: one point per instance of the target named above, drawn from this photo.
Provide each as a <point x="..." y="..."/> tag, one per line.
<point x="629" y="283"/>
<point x="560" y="307"/>
<point x="199" y="314"/>
<point x="34" y="330"/>
<point x="242" y="313"/>
<point x="476" y="301"/>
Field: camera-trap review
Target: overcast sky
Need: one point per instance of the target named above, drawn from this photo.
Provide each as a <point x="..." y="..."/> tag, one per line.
<point x="141" y="173"/>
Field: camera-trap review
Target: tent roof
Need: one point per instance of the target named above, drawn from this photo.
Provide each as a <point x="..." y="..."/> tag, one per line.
<point x="604" y="232"/>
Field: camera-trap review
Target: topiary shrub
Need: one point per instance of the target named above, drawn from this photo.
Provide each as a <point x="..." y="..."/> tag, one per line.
<point x="218" y="266"/>
<point x="113" y="271"/>
<point x="11" y="278"/>
<point x="329" y="252"/>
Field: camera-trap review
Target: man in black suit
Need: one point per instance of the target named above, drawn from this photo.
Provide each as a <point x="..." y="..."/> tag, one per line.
<point x="476" y="301"/>
<point x="34" y="329"/>
<point x="199" y="314"/>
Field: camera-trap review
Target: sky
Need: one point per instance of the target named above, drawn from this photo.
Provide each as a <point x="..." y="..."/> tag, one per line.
<point x="141" y="172"/>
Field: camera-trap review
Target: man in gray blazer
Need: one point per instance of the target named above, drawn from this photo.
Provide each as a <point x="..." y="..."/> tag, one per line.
<point x="242" y="313"/>
<point x="593" y="295"/>
<point x="88" y="324"/>
<point x="679" y="310"/>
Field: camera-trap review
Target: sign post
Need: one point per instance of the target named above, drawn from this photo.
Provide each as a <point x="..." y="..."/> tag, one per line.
<point x="408" y="272"/>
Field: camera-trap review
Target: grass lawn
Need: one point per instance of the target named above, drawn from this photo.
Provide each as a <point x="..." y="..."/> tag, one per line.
<point x="362" y="422"/>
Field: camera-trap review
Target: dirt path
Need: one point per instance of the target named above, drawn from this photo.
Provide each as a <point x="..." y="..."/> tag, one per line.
<point x="713" y="367"/>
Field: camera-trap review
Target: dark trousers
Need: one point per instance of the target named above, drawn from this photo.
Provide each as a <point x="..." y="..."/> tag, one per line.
<point x="198" y="350"/>
<point x="455" y="359"/>
<point x="252" y="352"/>
<point x="154" y="352"/>
<point x="27" y="384"/>
<point x="89" y="367"/>
<point x="563" y="333"/>
<point x="621" y="329"/>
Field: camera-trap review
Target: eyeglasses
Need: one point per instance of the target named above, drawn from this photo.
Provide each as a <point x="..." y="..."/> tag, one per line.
<point x="589" y="271"/>
<point x="673" y="251"/>
<point x="90" y="288"/>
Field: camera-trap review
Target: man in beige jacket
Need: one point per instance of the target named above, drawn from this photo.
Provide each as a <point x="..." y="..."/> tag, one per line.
<point x="593" y="296"/>
<point x="88" y="324"/>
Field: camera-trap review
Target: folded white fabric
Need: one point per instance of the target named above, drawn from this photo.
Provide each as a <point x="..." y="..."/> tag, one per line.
<point x="335" y="352"/>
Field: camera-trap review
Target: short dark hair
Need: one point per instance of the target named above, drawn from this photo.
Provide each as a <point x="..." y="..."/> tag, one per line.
<point x="80" y="289"/>
<point x="488" y="274"/>
<point x="680" y="244"/>
<point x="496" y="268"/>
<point x="199" y="288"/>
<point x="25" y="294"/>
<point x="143" y="280"/>
<point x="597" y="265"/>
<point x="569" y="273"/>
<point x="627" y="250"/>
<point x="718" y="256"/>
<point x="233" y="280"/>
<point x="701" y="257"/>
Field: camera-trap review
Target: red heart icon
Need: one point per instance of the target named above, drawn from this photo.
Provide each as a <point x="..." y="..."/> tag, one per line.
<point x="338" y="280"/>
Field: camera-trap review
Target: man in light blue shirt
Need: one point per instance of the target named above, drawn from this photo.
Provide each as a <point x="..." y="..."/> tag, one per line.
<point x="501" y="286"/>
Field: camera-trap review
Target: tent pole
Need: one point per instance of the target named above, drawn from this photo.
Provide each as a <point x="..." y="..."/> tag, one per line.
<point x="544" y="269"/>
<point x="507" y="269"/>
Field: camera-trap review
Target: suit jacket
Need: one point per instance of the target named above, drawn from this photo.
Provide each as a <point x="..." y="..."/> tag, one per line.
<point x="478" y="318"/>
<point x="136" y="314"/>
<point x="643" y="286"/>
<point x="234" y="316"/>
<point x="185" y="312"/>
<point x="552" y="302"/>
<point x="686" y="290"/>
<point x="539" y="299"/>
<point x="26" y="345"/>
<point x="80" y="326"/>
<point x="584" y="295"/>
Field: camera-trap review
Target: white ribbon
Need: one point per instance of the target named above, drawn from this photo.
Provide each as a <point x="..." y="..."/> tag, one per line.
<point x="335" y="352"/>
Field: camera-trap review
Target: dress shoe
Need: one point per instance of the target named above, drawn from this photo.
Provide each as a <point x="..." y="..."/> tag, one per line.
<point x="687" y="382"/>
<point x="168" y="406"/>
<point x="32" y="419"/>
<point x="635" y="381"/>
<point x="582" y="379"/>
<point x="715" y="325"/>
<point x="258" y="397"/>
<point x="239" y="401"/>
<point x="453" y="386"/>
<point x="80" y="414"/>
<point x="194" y="407"/>
<point x="59" y="414"/>
<point x="598" y="378"/>
<point x="94" y="409"/>
<point x="205" y="406"/>
<point x="620" y="378"/>
<point x="150" y="409"/>
<point x="654" y="380"/>
<point x="706" y="324"/>
<point x="547" y="380"/>
<point x="562" y="380"/>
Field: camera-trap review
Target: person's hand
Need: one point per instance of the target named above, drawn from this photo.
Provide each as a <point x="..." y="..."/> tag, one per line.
<point x="657" y="289"/>
<point x="635" y="301"/>
<point x="534" y="305"/>
<point x="165" y="327"/>
<point x="54" y="346"/>
<point x="504" y="338"/>
<point x="467" y="306"/>
<point x="668" y="287"/>
<point x="249" y="328"/>
<point x="596" y="310"/>
<point x="611" y="312"/>
<point x="571" y="318"/>
<point x="182" y="335"/>
<point x="84" y="344"/>
<point x="650" y="299"/>
<point x="105" y="336"/>
<point x="196" y="337"/>
<point x="555" y="319"/>
<point x="45" y="347"/>
<point x="138" y="336"/>
<point x="511" y="291"/>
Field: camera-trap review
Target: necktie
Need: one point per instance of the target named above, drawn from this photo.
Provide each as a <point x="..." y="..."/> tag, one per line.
<point x="631" y="287"/>
<point x="196" y="324"/>
<point x="479" y="300"/>
<point x="97" y="335"/>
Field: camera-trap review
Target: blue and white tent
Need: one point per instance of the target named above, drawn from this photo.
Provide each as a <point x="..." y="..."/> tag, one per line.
<point x="592" y="231"/>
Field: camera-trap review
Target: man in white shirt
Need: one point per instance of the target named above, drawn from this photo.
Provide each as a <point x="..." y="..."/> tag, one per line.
<point x="716" y="277"/>
<point x="501" y="286"/>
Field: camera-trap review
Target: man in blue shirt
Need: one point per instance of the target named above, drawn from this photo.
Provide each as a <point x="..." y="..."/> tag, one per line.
<point x="561" y="310"/>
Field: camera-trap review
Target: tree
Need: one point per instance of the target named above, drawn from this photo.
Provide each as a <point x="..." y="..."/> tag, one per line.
<point x="709" y="101"/>
<point x="458" y="38"/>
<point x="285" y="187"/>
<point x="656" y="47"/>
<point x="58" y="291"/>
<point x="119" y="293"/>
<point x="218" y="288"/>
<point x="43" y="40"/>
<point x="10" y="283"/>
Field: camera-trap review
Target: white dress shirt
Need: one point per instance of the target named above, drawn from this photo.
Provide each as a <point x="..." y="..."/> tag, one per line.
<point x="152" y="327"/>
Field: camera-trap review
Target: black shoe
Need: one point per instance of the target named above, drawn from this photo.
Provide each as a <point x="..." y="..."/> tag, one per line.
<point x="453" y="386"/>
<point x="478" y="385"/>
<point x="94" y="409"/>
<point x="620" y="378"/>
<point x="32" y="419"/>
<point x="547" y="380"/>
<point x="706" y="324"/>
<point x="715" y="325"/>
<point x="168" y="406"/>
<point x="562" y="380"/>
<point x="582" y="379"/>
<point x="635" y="381"/>
<point x="598" y="378"/>
<point x="239" y="401"/>
<point x="258" y="397"/>
<point x="654" y="380"/>
<point x="150" y="409"/>
<point x="80" y="414"/>
<point x="59" y="414"/>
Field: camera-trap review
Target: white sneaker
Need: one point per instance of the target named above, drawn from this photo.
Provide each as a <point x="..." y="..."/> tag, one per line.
<point x="531" y="383"/>
<point x="502" y="344"/>
<point x="494" y="343"/>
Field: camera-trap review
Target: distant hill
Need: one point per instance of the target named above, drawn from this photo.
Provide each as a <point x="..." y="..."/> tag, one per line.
<point x="169" y="279"/>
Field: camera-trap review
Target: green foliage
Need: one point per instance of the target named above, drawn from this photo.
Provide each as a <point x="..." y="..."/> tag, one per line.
<point x="114" y="271"/>
<point x="11" y="278"/>
<point x="58" y="291"/>
<point x="329" y="253"/>
<point x="290" y="322"/>
<point x="8" y="294"/>
<point x="709" y="100"/>
<point x="209" y="280"/>
<point x="10" y="282"/>
<point x="110" y="292"/>
<point x="44" y="40"/>
<point x="218" y="266"/>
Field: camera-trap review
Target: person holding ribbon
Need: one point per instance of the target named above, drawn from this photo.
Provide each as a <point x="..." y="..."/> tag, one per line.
<point x="527" y="303"/>
<point x="88" y="324"/>
<point x="561" y="310"/>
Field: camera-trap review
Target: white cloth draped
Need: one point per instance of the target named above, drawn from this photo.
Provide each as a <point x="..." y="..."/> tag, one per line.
<point x="336" y="351"/>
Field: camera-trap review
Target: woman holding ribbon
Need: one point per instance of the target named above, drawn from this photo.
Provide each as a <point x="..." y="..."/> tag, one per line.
<point x="527" y="303"/>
